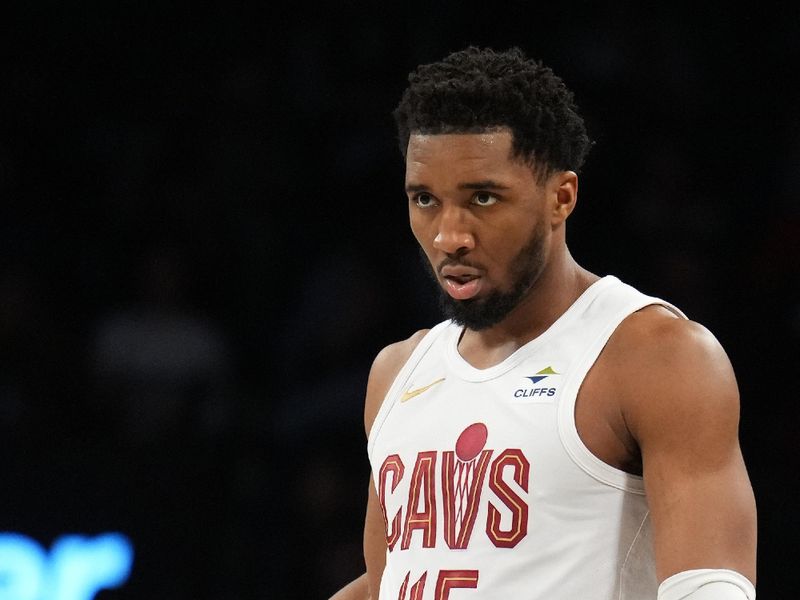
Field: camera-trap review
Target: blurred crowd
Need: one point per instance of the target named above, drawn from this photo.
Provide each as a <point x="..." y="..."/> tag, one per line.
<point x="203" y="246"/>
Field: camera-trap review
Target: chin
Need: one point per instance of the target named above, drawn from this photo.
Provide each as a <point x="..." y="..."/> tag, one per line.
<point x="475" y="314"/>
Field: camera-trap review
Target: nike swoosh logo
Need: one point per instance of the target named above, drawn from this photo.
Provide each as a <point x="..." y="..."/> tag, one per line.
<point x="407" y="395"/>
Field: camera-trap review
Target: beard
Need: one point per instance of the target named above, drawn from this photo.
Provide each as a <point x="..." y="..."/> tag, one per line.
<point x="485" y="312"/>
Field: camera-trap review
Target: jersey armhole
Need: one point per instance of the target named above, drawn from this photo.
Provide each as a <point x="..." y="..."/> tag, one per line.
<point x="400" y="380"/>
<point x="567" y="429"/>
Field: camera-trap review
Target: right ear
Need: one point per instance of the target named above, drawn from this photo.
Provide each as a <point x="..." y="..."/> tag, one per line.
<point x="562" y="188"/>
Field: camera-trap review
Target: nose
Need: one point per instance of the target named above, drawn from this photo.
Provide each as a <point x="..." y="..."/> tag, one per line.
<point x="453" y="235"/>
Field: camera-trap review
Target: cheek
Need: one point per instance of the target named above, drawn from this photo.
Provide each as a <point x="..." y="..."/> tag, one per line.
<point x="501" y="245"/>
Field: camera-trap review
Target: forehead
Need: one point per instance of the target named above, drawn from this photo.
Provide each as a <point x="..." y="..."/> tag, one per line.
<point x="462" y="155"/>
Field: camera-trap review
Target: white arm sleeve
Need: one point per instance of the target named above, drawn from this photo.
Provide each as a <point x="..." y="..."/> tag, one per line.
<point x="707" y="584"/>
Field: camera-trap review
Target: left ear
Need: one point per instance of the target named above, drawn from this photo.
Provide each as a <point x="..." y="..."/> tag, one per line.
<point x="563" y="190"/>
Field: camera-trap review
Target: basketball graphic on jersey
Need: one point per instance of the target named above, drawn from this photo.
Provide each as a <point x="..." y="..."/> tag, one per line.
<point x="471" y="441"/>
<point x="463" y="483"/>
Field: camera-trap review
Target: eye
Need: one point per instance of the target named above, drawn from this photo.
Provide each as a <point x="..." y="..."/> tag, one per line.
<point x="484" y="199"/>
<point x="424" y="200"/>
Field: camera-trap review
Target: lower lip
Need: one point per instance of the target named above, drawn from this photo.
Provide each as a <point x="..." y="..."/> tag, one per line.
<point x="463" y="291"/>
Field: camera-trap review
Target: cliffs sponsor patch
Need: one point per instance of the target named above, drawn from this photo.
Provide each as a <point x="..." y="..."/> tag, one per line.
<point x="542" y="387"/>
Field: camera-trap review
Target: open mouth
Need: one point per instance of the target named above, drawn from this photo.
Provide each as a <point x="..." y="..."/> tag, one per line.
<point x="462" y="287"/>
<point x="461" y="282"/>
<point x="461" y="279"/>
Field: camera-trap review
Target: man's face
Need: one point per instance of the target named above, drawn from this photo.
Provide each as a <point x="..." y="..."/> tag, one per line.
<point x="481" y="219"/>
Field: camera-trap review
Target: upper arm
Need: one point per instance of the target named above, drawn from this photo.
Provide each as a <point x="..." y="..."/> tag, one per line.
<point x="682" y="406"/>
<point x="384" y="370"/>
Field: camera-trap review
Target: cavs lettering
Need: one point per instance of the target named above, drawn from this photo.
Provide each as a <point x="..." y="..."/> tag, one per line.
<point x="462" y="475"/>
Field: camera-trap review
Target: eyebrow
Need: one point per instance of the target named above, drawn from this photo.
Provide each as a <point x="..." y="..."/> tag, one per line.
<point x="486" y="184"/>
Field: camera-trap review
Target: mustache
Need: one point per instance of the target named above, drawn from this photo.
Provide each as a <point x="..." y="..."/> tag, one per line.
<point x="434" y="272"/>
<point x="457" y="262"/>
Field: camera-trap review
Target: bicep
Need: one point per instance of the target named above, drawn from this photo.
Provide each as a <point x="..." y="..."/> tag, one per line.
<point x="702" y="518"/>
<point x="686" y="424"/>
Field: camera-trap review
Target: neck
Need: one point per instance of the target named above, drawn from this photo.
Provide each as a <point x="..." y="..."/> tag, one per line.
<point x="556" y="289"/>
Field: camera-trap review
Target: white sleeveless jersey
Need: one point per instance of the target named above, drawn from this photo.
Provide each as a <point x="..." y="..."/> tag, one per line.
<point x="488" y="491"/>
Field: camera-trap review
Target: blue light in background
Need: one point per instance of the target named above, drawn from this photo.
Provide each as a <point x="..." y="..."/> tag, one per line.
<point x="76" y="569"/>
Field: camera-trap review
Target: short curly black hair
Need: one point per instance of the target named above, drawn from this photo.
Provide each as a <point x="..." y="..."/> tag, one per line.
<point x="475" y="90"/>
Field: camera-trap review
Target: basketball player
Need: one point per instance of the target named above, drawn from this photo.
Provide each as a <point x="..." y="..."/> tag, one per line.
<point x="561" y="436"/>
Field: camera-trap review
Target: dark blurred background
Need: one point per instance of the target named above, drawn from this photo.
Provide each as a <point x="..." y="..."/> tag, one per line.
<point x="203" y="244"/>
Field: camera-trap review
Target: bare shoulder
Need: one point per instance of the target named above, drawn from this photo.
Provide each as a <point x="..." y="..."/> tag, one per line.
<point x="655" y="332"/>
<point x="385" y="367"/>
<point x="672" y="371"/>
